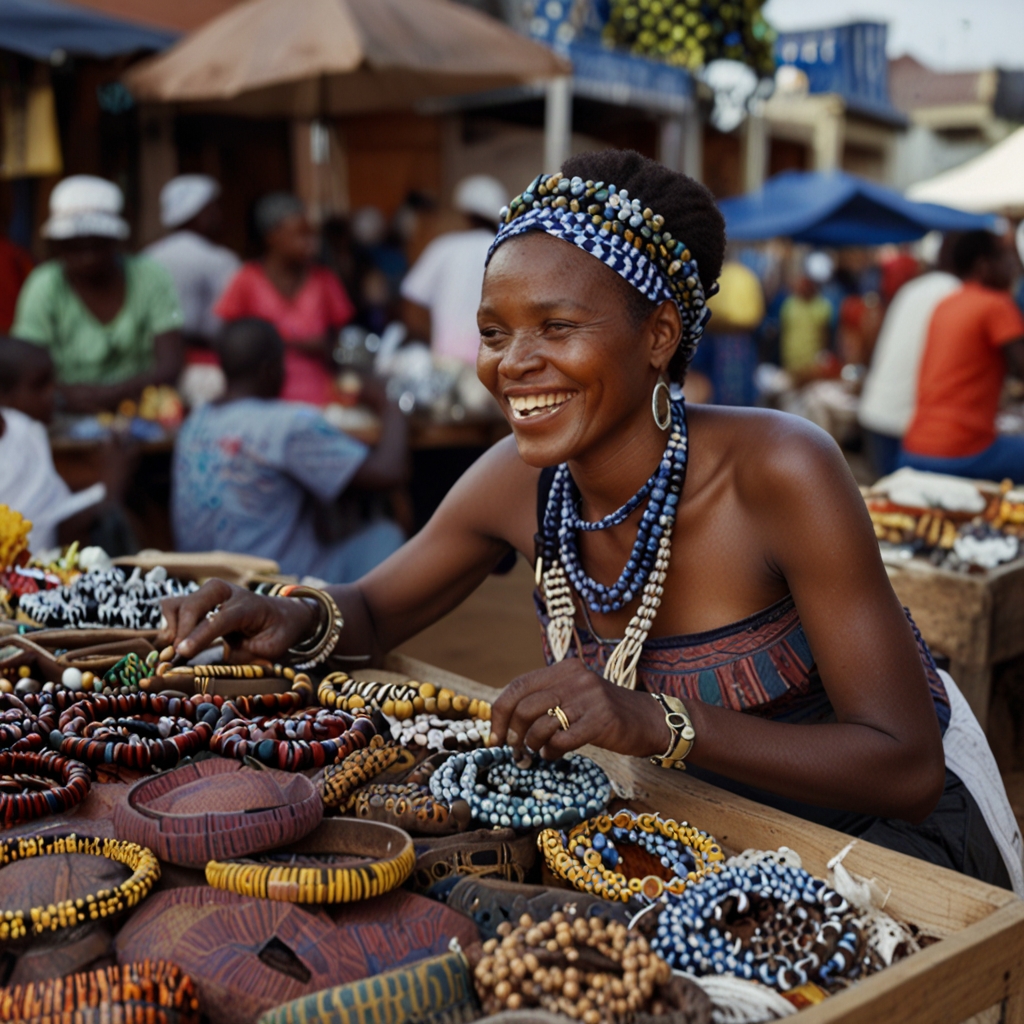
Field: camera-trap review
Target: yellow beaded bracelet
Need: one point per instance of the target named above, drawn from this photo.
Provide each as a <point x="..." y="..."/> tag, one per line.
<point x="68" y="913"/>
<point x="384" y="858"/>
<point x="585" y="857"/>
<point x="399" y="700"/>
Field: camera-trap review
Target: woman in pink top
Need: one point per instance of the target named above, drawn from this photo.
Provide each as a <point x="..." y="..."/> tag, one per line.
<point x="306" y="303"/>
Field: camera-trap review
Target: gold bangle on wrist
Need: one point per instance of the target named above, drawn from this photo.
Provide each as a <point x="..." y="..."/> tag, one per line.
<point x="320" y="646"/>
<point x="678" y="721"/>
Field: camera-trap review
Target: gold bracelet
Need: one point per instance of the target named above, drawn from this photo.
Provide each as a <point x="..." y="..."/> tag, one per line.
<point x="678" y="721"/>
<point x="318" y="648"/>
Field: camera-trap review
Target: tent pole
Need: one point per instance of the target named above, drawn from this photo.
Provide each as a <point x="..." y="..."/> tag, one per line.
<point x="557" y="122"/>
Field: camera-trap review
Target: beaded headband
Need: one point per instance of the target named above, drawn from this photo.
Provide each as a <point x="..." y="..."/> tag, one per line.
<point x="622" y="233"/>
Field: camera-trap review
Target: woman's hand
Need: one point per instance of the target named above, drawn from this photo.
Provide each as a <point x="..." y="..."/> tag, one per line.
<point x="599" y="712"/>
<point x="260" y="627"/>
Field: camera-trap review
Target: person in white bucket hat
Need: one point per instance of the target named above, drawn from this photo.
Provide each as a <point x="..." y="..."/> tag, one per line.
<point x="442" y="290"/>
<point x="201" y="269"/>
<point x="111" y="321"/>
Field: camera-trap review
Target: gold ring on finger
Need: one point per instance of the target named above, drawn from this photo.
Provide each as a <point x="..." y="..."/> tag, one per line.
<point x="563" y="718"/>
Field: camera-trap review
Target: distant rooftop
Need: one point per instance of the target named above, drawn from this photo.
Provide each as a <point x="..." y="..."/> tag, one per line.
<point x="913" y="85"/>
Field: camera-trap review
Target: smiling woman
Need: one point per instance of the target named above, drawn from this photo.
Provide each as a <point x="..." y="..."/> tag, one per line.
<point x="708" y="579"/>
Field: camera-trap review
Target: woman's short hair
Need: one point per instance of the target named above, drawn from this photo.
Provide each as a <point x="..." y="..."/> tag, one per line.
<point x="688" y="208"/>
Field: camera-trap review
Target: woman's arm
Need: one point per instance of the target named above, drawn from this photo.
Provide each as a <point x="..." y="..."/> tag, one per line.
<point x="882" y="756"/>
<point x="489" y="509"/>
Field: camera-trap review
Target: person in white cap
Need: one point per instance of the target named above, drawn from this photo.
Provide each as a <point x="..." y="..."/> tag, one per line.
<point x="111" y="321"/>
<point x="441" y="292"/>
<point x="201" y="269"/>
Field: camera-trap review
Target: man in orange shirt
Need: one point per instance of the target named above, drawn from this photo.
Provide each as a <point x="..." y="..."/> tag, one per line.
<point x="975" y="337"/>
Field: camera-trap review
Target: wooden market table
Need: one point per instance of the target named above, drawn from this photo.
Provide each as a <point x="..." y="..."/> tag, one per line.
<point x="978" y="962"/>
<point x="974" y="619"/>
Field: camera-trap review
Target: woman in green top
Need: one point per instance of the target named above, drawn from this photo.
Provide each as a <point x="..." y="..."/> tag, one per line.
<point x="111" y="321"/>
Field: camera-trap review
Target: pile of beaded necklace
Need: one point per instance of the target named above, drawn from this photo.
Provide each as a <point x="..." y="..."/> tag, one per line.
<point x="26" y="725"/>
<point x="558" y="562"/>
<point x="68" y="913"/>
<point x="138" y="730"/>
<point x="35" y="784"/>
<point x="150" y="992"/>
<point x="768" y="922"/>
<point x="539" y="794"/>
<point x="309" y="739"/>
<point x="587" y="856"/>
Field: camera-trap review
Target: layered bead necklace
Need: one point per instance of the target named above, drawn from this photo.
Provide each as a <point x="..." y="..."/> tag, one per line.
<point x="559" y="563"/>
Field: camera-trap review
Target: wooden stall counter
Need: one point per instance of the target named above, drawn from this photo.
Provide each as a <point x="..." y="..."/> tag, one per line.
<point x="978" y="962"/>
<point x="974" y="619"/>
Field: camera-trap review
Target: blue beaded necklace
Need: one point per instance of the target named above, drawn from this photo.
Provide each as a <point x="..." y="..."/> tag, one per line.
<point x="644" y="572"/>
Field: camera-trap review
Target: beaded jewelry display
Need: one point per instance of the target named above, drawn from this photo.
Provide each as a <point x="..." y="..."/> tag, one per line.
<point x="342" y="779"/>
<point x="139" y="730"/>
<point x="128" y="673"/>
<point x="428" y="732"/>
<point x="339" y="690"/>
<point x="26" y="726"/>
<point x="378" y="858"/>
<point x="309" y="739"/>
<point x="106" y="598"/>
<point x="588" y="856"/>
<point x="410" y="806"/>
<point x="541" y="794"/>
<point x="68" y="913"/>
<point x="768" y="922"/>
<point x="399" y="700"/>
<point x="558" y="561"/>
<point x="33" y="785"/>
<point x="151" y="992"/>
<point x="584" y="968"/>
<point x="200" y="678"/>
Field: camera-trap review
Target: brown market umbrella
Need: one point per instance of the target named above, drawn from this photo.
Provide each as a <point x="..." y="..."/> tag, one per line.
<point x="315" y="58"/>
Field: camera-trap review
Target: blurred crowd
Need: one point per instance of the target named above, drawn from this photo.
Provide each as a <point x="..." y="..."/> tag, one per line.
<point x="908" y="352"/>
<point x="267" y="355"/>
<point x="904" y="351"/>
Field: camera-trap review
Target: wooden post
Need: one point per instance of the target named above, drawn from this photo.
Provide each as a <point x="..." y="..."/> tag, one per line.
<point x="693" y="145"/>
<point x="755" y="152"/>
<point x="670" y="142"/>
<point x="557" y="123"/>
<point x="158" y="163"/>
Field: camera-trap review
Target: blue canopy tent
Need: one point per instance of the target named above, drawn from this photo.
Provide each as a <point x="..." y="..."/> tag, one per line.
<point x="39" y="28"/>
<point x="836" y="209"/>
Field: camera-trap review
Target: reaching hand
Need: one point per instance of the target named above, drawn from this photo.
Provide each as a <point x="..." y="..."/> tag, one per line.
<point x="598" y="712"/>
<point x="261" y="627"/>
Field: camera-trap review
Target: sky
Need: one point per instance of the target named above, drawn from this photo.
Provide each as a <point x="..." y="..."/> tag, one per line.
<point x="949" y="35"/>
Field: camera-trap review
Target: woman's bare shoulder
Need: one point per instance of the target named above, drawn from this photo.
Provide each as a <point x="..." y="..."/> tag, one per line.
<point x="773" y="457"/>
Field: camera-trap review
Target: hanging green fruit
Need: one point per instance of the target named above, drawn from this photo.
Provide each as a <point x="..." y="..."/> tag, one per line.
<point x="692" y="33"/>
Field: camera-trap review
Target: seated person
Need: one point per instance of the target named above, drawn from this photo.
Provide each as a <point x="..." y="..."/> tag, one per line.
<point x="110" y="320"/>
<point x="306" y="303"/>
<point x="975" y="337"/>
<point x="29" y="482"/>
<point x="250" y="468"/>
<point x="766" y="619"/>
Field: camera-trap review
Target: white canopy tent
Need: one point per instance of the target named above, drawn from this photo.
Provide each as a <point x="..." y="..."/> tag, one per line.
<point x="990" y="183"/>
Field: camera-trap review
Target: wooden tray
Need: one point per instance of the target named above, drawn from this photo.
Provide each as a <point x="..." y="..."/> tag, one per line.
<point x="978" y="964"/>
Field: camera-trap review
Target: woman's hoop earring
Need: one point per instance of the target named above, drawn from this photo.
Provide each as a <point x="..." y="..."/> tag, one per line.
<point x="662" y="423"/>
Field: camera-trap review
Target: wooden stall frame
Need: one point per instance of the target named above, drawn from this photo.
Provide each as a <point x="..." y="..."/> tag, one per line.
<point x="979" y="962"/>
